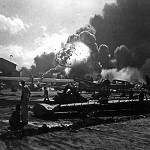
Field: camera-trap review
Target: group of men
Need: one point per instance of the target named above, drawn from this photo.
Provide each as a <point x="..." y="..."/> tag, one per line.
<point x="20" y="116"/>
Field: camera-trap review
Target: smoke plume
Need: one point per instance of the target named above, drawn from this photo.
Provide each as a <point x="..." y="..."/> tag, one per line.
<point x="145" y="69"/>
<point x="81" y="53"/>
<point x="126" y="74"/>
<point x="73" y="53"/>
<point x="78" y="53"/>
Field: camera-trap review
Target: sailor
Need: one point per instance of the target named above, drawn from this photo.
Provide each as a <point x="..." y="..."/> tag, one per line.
<point x="45" y="94"/>
<point x="15" y="119"/>
<point x="24" y="102"/>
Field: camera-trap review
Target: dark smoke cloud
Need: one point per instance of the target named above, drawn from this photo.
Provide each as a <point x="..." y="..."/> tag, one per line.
<point x="87" y="28"/>
<point x="42" y="64"/>
<point x="125" y="22"/>
<point x="90" y="40"/>
<point x="145" y="69"/>
<point x="123" y="57"/>
<point x="104" y="56"/>
<point x="87" y="38"/>
<point x="124" y="29"/>
<point x="79" y="70"/>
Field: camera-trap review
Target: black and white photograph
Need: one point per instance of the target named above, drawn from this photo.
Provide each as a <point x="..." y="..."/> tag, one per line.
<point x="74" y="74"/>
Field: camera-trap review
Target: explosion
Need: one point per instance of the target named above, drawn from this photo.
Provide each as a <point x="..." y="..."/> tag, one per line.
<point x="73" y="53"/>
<point x="80" y="54"/>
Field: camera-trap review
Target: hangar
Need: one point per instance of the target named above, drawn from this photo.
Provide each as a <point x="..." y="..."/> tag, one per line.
<point x="8" y="69"/>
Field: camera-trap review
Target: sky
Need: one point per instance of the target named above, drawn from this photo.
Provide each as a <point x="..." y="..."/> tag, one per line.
<point x="30" y="27"/>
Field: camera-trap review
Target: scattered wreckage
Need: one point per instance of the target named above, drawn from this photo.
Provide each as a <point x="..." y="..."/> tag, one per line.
<point x="106" y="97"/>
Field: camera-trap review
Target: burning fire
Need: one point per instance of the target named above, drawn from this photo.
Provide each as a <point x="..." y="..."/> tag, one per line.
<point x="80" y="54"/>
<point x="67" y="70"/>
<point x="73" y="53"/>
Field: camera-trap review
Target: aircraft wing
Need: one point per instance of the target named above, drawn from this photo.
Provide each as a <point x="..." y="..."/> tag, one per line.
<point x="89" y="84"/>
<point x="51" y="80"/>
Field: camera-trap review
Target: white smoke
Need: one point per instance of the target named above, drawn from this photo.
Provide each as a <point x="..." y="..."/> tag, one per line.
<point x="126" y="74"/>
<point x="13" y="25"/>
<point x="49" y="43"/>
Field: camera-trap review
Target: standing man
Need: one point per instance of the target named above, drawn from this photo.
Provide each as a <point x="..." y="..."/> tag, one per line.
<point x="45" y="95"/>
<point x="24" y="102"/>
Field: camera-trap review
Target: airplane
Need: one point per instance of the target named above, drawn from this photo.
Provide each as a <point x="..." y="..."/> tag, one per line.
<point x="83" y="84"/>
<point x="121" y="85"/>
<point x="91" y="86"/>
<point x="87" y="84"/>
<point x="115" y="86"/>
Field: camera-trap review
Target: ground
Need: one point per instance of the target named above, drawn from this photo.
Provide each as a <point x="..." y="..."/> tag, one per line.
<point x="123" y="132"/>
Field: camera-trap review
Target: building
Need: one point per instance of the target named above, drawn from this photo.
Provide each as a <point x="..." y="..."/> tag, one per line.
<point x="8" y="69"/>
